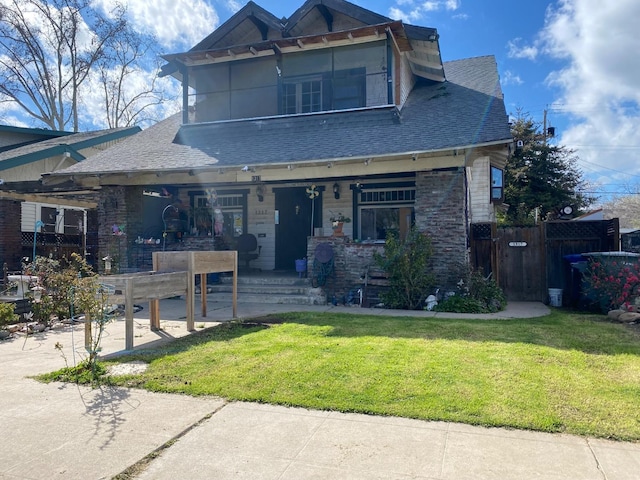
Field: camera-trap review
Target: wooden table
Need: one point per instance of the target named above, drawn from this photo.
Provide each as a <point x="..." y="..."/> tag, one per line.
<point x="197" y="263"/>
<point x="144" y="286"/>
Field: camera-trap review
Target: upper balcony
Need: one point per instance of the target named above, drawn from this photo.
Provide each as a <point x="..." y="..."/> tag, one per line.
<point x="361" y="67"/>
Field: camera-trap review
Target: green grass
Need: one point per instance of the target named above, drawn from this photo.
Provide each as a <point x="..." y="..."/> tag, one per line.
<point x="565" y="372"/>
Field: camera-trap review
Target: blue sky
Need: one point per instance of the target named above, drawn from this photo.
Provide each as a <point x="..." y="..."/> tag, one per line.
<point x="577" y="59"/>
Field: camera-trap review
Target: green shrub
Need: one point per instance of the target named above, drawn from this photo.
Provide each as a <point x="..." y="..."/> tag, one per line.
<point x="460" y="304"/>
<point x="476" y="294"/>
<point x="406" y="263"/>
<point x="7" y="314"/>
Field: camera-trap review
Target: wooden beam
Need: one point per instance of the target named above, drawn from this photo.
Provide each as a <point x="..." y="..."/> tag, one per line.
<point x="47" y="199"/>
<point x="261" y="26"/>
<point x="326" y="14"/>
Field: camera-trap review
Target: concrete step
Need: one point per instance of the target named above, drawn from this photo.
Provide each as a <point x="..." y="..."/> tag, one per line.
<point x="270" y="289"/>
<point x="246" y="297"/>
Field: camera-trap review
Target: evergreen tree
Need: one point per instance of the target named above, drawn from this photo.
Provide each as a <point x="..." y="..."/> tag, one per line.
<point x="541" y="179"/>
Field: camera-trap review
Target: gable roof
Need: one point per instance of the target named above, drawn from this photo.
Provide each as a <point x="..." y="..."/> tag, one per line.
<point x="235" y="40"/>
<point x="71" y="143"/>
<point x="467" y="110"/>
<point x="261" y="18"/>
<point x="366" y="17"/>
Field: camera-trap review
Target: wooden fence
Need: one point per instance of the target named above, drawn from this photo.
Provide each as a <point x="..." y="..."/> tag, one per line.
<point x="527" y="261"/>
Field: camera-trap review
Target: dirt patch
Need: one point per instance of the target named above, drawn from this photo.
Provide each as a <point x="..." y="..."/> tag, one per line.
<point x="128" y="368"/>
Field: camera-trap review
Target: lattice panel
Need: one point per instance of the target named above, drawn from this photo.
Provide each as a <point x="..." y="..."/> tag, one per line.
<point x="481" y="231"/>
<point x="574" y="230"/>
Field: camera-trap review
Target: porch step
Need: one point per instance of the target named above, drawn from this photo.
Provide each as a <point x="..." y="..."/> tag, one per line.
<point x="269" y="288"/>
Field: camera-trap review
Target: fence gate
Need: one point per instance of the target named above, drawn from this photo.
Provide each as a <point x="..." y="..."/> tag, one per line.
<point x="515" y="256"/>
<point x="520" y="261"/>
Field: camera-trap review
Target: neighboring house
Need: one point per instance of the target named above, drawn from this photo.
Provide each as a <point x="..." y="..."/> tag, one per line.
<point x="590" y="216"/>
<point x="55" y="214"/>
<point x="336" y="99"/>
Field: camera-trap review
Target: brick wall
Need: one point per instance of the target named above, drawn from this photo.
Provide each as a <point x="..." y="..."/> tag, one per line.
<point x="440" y="211"/>
<point x="11" y="242"/>
<point x="351" y="262"/>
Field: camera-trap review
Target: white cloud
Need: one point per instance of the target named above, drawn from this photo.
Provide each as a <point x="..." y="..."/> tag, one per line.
<point x="517" y="50"/>
<point x="412" y="16"/>
<point x="598" y="86"/>
<point x="234" y="5"/>
<point x="435" y="5"/>
<point x="176" y="24"/>
<point x="510" y="78"/>
<point x="413" y="11"/>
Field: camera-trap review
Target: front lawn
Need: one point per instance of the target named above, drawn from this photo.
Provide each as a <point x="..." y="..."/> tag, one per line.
<point x="566" y="372"/>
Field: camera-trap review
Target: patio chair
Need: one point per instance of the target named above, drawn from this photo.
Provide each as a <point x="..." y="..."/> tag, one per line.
<point x="248" y="249"/>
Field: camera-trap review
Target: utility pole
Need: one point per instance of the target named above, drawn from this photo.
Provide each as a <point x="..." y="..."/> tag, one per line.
<point x="544" y="127"/>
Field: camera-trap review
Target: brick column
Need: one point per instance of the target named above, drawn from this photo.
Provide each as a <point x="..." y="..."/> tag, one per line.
<point x="441" y="212"/>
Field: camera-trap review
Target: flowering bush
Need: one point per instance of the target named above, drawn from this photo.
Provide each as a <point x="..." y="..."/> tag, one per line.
<point x="613" y="283"/>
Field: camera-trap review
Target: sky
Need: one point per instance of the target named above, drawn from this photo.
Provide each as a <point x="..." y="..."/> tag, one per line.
<point x="576" y="60"/>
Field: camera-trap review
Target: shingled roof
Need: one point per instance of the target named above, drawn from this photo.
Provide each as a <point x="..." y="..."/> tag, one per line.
<point x="466" y="110"/>
<point x="70" y="143"/>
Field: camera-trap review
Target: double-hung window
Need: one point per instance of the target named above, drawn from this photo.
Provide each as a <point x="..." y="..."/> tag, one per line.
<point x="497" y="184"/>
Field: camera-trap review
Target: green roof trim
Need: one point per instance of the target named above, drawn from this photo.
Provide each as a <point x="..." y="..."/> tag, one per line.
<point x="71" y="148"/>
<point x="34" y="131"/>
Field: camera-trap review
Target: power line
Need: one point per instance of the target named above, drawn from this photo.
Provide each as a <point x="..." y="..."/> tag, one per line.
<point x="608" y="168"/>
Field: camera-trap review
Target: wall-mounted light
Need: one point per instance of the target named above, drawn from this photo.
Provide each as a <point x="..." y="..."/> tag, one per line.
<point x="367" y="161"/>
<point x="336" y="190"/>
<point x="297" y="208"/>
<point x="433" y="37"/>
<point x="260" y="193"/>
<point x="330" y="164"/>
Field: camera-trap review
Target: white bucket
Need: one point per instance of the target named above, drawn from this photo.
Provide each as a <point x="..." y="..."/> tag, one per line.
<point x="555" y="297"/>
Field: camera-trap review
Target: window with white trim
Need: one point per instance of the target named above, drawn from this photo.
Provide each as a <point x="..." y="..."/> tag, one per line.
<point x="302" y="96"/>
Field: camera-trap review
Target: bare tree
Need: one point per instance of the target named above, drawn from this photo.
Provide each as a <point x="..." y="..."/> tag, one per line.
<point x="49" y="51"/>
<point x="129" y="95"/>
<point x="625" y="207"/>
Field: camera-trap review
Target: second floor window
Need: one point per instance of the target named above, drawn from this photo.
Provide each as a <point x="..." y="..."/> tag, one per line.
<point x="302" y="96"/>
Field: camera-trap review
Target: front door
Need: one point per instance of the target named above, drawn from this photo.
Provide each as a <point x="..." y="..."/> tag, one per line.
<point x="294" y="211"/>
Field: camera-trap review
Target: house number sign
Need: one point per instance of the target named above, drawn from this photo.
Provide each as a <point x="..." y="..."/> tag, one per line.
<point x="517" y="244"/>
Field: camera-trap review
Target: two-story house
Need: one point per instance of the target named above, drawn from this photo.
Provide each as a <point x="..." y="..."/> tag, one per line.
<point x="288" y="122"/>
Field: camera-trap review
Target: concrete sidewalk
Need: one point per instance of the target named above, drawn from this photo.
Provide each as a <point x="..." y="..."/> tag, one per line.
<point x="70" y="432"/>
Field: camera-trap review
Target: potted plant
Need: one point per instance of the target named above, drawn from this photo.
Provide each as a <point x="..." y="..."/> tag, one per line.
<point x="337" y="221"/>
